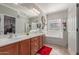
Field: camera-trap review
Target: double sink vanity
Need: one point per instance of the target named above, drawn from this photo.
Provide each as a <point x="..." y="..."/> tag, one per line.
<point x="22" y="44"/>
<point x="18" y="31"/>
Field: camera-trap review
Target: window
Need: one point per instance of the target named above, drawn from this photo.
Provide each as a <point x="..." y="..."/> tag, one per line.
<point x="54" y="24"/>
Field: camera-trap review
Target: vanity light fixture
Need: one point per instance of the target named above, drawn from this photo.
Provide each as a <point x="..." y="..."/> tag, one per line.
<point x="36" y="11"/>
<point x="16" y="3"/>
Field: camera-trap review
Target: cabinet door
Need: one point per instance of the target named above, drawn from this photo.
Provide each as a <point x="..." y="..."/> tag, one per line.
<point x="34" y="45"/>
<point x="11" y="49"/>
<point x="40" y="42"/>
<point x="25" y="47"/>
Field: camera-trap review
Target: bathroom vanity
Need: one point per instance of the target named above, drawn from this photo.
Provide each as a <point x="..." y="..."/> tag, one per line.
<point x="25" y="45"/>
<point x="21" y="44"/>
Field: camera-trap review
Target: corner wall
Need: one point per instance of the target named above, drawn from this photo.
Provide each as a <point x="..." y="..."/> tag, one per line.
<point x="72" y="40"/>
<point x="56" y="36"/>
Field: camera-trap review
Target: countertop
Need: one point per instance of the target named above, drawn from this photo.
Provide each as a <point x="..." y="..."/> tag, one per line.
<point x="7" y="41"/>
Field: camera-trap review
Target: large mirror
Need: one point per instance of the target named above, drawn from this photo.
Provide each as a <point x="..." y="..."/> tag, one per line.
<point x="36" y="24"/>
<point x="9" y="24"/>
<point x="33" y="22"/>
<point x="0" y="24"/>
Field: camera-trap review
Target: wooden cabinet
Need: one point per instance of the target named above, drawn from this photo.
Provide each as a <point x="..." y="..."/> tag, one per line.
<point x="34" y="45"/>
<point x="40" y="42"/>
<point x="11" y="49"/>
<point x="25" y="47"/>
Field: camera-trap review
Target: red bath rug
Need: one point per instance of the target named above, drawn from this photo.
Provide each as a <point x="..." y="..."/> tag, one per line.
<point x="45" y="50"/>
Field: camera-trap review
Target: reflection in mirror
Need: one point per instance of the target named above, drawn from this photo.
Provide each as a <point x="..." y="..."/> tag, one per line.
<point x="38" y="23"/>
<point x="9" y="24"/>
<point x="0" y="25"/>
<point x="34" y="24"/>
<point x="43" y="22"/>
<point x="28" y="29"/>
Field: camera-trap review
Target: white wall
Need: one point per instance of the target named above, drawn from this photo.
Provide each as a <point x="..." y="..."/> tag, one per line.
<point x="56" y="36"/>
<point x="58" y="15"/>
<point x="72" y="47"/>
<point x="19" y="20"/>
<point x="20" y="24"/>
<point x="7" y="11"/>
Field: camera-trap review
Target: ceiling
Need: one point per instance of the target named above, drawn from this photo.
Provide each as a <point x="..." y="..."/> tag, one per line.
<point x="46" y="8"/>
<point x="53" y="7"/>
<point x="20" y="8"/>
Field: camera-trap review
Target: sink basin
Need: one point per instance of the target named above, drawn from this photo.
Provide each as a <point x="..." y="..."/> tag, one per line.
<point x="4" y="39"/>
<point x="11" y="39"/>
<point x="19" y="36"/>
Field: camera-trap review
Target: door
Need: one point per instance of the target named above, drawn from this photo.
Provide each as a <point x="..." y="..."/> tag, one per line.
<point x="77" y="29"/>
<point x="65" y="33"/>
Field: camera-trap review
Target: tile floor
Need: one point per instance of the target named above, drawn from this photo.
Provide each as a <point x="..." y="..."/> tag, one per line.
<point x="57" y="50"/>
